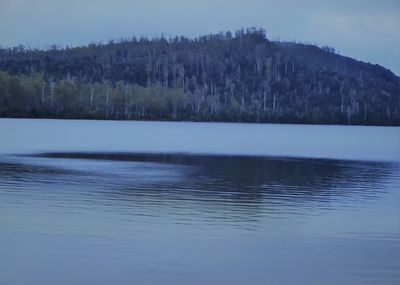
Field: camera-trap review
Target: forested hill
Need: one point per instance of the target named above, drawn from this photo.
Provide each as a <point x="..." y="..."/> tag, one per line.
<point x="240" y="77"/>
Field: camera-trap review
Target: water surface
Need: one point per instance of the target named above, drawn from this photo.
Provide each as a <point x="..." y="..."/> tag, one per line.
<point x="119" y="204"/>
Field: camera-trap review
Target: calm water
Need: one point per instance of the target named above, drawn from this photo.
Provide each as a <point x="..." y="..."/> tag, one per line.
<point x="93" y="202"/>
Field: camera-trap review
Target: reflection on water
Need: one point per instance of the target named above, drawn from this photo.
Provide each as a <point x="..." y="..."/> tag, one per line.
<point x="181" y="219"/>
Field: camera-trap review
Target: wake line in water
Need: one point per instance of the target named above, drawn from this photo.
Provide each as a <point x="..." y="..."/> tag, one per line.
<point x="188" y="158"/>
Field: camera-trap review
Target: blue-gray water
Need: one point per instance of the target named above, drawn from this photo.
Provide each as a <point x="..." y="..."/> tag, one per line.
<point x="92" y="202"/>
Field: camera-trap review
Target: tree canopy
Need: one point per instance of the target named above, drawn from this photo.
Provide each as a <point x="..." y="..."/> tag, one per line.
<point x="238" y="77"/>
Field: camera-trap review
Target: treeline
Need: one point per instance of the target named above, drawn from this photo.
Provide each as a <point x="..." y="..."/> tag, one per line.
<point x="241" y="77"/>
<point x="74" y="99"/>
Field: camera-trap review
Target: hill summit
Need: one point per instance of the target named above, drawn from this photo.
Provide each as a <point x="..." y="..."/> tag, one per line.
<point x="236" y="77"/>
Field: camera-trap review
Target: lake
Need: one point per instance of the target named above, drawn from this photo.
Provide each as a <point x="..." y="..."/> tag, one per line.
<point x="124" y="202"/>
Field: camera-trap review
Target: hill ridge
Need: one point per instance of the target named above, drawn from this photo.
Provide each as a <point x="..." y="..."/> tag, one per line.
<point x="238" y="77"/>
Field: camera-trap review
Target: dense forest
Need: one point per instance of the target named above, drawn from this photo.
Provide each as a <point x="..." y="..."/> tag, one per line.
<point x="238" y="77"/>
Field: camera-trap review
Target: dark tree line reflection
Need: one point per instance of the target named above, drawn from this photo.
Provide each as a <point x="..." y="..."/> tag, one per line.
<point x="237" y="179"/>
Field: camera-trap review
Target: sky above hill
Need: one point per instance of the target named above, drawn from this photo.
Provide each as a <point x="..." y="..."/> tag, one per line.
<point x="367" y="30"/>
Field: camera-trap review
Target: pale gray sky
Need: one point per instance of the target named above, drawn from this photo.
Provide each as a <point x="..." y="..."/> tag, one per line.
<point x="364" y="29"/>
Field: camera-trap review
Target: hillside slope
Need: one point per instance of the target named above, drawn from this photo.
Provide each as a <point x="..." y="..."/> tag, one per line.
<point x="223" y="77"/>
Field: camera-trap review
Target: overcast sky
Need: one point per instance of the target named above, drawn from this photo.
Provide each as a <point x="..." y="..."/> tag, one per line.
<point x="364" y="29"/>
